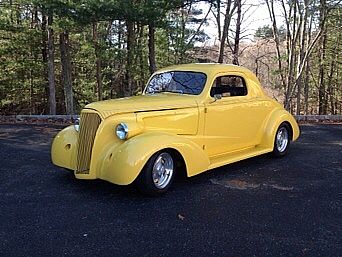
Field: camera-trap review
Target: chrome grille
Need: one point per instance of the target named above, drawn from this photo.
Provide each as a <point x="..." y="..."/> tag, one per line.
<point x="89" y="124"/>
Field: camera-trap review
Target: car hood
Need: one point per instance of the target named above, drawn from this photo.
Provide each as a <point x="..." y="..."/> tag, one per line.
<point x="151" y="102"/>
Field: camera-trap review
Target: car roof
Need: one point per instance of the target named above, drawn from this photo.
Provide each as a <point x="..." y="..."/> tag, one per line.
<point x="212" y="69"/>
<point x="207" y="67"/>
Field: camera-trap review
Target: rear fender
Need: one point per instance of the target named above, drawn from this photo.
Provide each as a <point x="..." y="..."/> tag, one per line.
<point x="275" y="119"/>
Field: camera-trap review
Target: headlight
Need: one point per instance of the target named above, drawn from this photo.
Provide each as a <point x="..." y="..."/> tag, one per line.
<point x="121" y="131"/>
<point x="77" y="124"/>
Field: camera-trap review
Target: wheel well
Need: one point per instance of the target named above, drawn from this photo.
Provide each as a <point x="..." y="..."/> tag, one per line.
<point x="180" y="162"/>
<point x="290" y="127"/>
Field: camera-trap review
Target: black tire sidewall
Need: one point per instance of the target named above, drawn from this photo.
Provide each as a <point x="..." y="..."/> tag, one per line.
<point x="276" y="152"/>
<point x="145" y="181"/>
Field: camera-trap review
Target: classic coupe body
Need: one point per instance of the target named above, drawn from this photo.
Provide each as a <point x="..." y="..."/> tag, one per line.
<point x="190" y="118"/>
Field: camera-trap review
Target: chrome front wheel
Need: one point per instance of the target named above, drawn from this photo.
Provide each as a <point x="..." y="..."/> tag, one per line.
<point x="162" y="171"/>
<point x="158" y="173"/>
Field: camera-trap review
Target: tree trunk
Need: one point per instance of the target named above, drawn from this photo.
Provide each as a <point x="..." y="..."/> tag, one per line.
<point x="270" y="7"/>
<point x="51" y="67"/>
<point x="218" y="19"/>
<point x="130" y="43"/>
<point x="237" y="34"/>
<point x="307" y="69"/>
<point x="291" y="42"/>
<point x="45" y="58"/>
<point x="119" y="25"/>
<point x="141" y="58"/>
<point x="331" y="87"/>
<point x="180" y="44"/>
<point x="322" y="49"/>
<point x="66" y="72"/>
<point x="11" y="10"/>
<point x="227" y="18"/>
<point x="151" y="49"/>
<point x="303" y="39"/>
<point x="306" y="87"/>
<point x="33" y="54"/>
<point x="98" y="62"/>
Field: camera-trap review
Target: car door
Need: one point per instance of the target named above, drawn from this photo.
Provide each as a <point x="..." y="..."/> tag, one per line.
<point x="233" y="121"/>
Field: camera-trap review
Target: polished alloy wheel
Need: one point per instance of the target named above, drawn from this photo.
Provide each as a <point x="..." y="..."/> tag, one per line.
<point x="162" y="171"/>
<point x="282" y="139"/>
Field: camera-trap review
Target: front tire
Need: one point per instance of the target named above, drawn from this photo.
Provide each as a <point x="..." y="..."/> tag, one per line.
<point x="282" y="140"/>
<point x="158" y="174"/>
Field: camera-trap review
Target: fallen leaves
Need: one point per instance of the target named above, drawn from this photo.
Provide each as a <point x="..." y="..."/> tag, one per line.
<point x="180" y="217"/>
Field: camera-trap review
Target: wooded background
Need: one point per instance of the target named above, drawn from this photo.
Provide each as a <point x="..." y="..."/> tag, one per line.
<point x="57" y="56"/>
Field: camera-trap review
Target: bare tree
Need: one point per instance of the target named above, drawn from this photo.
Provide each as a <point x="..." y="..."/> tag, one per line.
<point x="303" y="18"/>
<point x="51" y="66"/>
<point x="98" y="62"/>
<point x="230" y="8"/>
<point x="235" y="51"/>
<point x="151" y="49"/>
<point x="322" y="108"/>
<point x="307" y="67"/>
<point x="297" y="53"/>
<point x="66" y="71"/>
<point x="270" y="6"/>
<point x="130" y="47"/>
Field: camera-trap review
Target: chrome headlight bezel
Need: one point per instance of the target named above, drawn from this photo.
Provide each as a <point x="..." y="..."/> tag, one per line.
<point x="77" y="124"/>
<point x="121" y="131"/>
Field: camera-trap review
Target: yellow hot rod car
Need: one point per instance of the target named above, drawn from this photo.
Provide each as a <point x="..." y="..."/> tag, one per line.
<point x="190" y="118"/>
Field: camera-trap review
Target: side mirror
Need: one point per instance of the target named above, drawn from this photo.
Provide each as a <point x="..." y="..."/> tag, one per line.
<point x="217" y="97"/>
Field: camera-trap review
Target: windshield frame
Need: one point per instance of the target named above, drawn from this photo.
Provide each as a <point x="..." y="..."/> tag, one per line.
<point x="175" y="92"/>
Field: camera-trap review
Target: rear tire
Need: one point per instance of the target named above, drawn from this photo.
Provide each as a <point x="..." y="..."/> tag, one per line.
<point x="282" y="140"/>
<point x="158" y="174"/>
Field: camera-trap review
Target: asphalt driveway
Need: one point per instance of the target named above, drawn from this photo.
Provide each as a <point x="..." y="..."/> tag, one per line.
<point x="257" y="207"/>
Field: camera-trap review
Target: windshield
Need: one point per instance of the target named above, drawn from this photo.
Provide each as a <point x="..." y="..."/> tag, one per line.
<point x="182" y="82"/>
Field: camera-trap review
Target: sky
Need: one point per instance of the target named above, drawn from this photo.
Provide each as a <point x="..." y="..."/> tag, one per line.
<point x="256" y="15"/>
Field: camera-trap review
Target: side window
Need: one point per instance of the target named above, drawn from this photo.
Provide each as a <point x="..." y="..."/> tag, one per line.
<point x="229" y="86"/>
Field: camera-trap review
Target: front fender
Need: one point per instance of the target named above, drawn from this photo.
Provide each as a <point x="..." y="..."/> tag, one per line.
<point x="275" y="119"/>
<point x="63" y="149"/>
<point x="123" y="163"/>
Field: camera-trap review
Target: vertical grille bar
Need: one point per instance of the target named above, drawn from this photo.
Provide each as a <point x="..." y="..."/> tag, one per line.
<point x="89" y="124"/>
